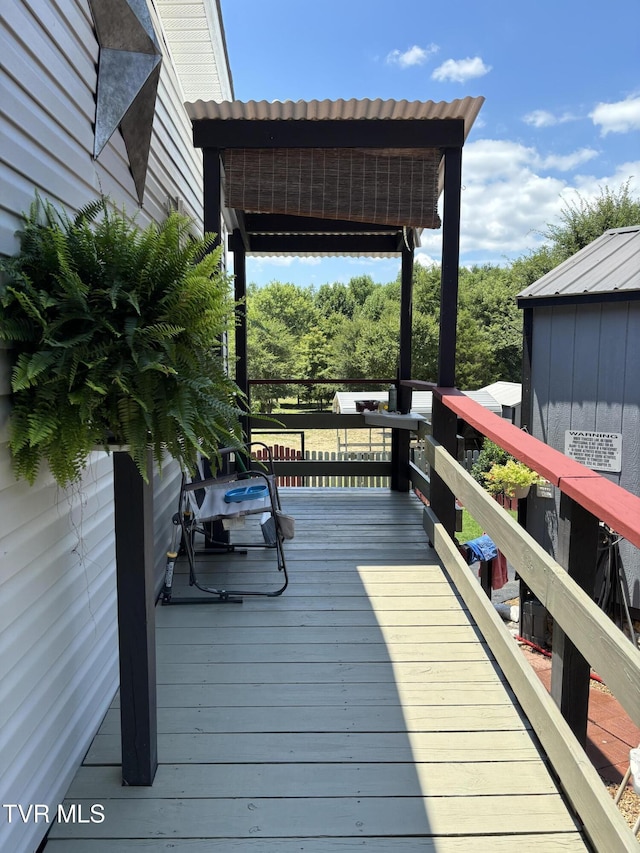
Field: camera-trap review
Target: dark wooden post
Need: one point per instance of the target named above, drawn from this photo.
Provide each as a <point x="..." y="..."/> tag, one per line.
<point x="449" y="272"/>
<point x="136" y="620"/>
<point x="445" y="429"/>
<point x="240" y="293"/>
<point x="212" y="175"/>
<point x="526" y="410"/>
<point x="212" y="178"/>
<point x="444" y="421"/>
<point x="570" y="672"/>
<point x="401" y="438"/>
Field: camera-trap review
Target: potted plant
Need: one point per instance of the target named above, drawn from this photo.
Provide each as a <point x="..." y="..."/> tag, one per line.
<point x="512" y="478"/>
<point x="115" y="333"/>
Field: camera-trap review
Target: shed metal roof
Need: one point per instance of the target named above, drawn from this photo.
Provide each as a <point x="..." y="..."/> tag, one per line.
<point x="506" y="393"/>
<point x="344" y="402"/>
<point x="608" y="268"/>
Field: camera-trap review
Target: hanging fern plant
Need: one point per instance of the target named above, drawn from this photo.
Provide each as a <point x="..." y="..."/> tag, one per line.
<point x="115" y="332"/>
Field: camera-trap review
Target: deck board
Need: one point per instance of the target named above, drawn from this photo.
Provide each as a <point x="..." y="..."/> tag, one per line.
<point x="360" y="710"/>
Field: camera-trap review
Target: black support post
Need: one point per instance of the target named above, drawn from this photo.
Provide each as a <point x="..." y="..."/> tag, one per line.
<point x="450" y="264"/>
<point x="401" y="438"/>
<point x="445" y="430"/>
<point x="444" y="421"/>
<point x="240" y="293"/>
<point x="570" y="672"/>
<point x="212" y="176"/>
<point x="136" y="620"/>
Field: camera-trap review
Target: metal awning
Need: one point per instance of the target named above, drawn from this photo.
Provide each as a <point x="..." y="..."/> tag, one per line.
<point x="331" y="177"/>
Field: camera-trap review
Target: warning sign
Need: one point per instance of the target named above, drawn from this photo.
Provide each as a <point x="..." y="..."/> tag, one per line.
<point x="600" y="451"/>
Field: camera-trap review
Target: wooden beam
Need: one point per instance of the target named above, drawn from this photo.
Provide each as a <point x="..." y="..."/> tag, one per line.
<point x="310" y="420"/>
<point x="282" y="223"/>
<point x="328" y="133"/>
<point x="136" y="620"/>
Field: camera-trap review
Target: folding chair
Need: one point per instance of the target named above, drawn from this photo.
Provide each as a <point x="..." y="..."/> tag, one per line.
<point x="208" y="503"/>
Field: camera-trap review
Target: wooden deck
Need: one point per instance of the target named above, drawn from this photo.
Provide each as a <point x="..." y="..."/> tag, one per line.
<point x="360" y="710"/>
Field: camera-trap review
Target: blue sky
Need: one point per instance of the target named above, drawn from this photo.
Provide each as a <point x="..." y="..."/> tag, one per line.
<point x="561" y="80"/>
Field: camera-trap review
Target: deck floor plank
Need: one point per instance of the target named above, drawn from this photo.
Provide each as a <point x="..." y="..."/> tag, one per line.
<point x="360" y="710"/>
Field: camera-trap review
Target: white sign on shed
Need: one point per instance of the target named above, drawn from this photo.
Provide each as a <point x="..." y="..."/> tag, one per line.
<point x="600" y="451"/>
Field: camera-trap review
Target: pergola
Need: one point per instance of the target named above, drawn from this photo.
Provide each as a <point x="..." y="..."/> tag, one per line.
<point x="353" y="177"/>
<point x="307" y="178"/>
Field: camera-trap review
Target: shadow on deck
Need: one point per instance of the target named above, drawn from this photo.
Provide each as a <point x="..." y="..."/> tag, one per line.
<point x="360" y="710"/>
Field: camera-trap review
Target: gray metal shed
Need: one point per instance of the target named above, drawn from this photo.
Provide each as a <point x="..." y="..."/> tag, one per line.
<point x="581" y="383"/>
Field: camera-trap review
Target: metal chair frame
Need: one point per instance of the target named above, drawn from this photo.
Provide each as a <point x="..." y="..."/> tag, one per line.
<point x="188" y="523"/>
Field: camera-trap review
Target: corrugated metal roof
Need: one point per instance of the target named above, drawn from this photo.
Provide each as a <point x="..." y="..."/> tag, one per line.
<point x="506" y="393"/>
<point x="609" y="265"/>
<point x="387" y="110"/>
<point x="344" y="402"/>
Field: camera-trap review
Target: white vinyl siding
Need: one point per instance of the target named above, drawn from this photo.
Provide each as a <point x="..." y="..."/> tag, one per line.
<point x="58" y="627"/>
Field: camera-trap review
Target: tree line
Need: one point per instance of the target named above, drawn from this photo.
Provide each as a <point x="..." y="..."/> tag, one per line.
<point x="351" y="330"/>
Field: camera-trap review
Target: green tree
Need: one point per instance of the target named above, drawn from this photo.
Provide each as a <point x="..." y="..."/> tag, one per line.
<point x="335" y="299"/>
<point x="382" y="298"/>
<point x="360" y="287"/>
<point x="314" y="356"/>
<point x="426" y="289"/>
<point x="292" y="305"/>
<point x="488" y="295"/>
<point x="271" y="350"/>
<point x="425" y="346"/>
<point x="583" y="221"/>
<point x="378" y="345"/>
<point x="345" y="361"/>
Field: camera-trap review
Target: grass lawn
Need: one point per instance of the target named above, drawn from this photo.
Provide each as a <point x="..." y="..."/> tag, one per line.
<point x="470" y="527"/>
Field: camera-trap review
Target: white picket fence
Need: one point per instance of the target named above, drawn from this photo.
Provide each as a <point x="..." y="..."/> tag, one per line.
<point x="281" y="452"/>
<point x="351" y="456"/>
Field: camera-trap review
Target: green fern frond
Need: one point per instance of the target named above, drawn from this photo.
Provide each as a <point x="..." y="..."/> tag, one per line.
<point x="116" y="330"/>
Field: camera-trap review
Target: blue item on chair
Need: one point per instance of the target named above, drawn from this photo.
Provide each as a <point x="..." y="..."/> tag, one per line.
<point x="246" y="493"/>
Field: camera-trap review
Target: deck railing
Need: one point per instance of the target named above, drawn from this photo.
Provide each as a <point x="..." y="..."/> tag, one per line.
<point x="584" y="636"/>
<point x="319" y="470"/>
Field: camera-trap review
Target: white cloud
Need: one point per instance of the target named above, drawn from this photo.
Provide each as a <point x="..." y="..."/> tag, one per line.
<point x="510" y="198"/>
<point x="424" y="259"/>
<point x="543" y="118"/>
<point x="619" y="117"/>
<point x="413" y="56"/>
<point x="567" y="162"/>
<point x="274" y="260"/>
<point x="460" y="70"/>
